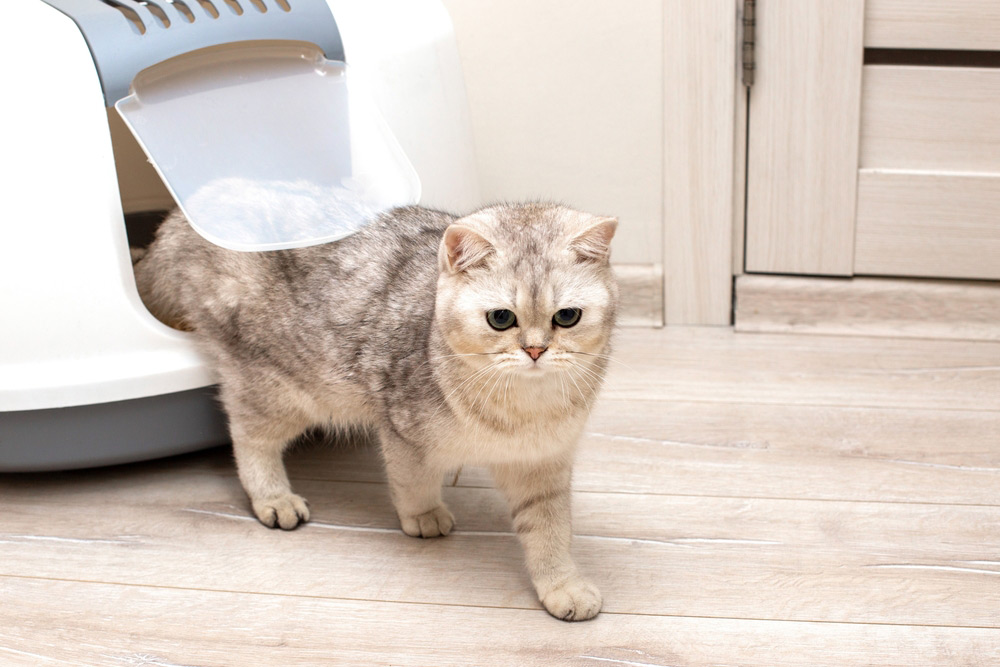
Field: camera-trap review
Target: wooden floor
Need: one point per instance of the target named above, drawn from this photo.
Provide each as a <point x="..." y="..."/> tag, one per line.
<point x="741" y="499"/>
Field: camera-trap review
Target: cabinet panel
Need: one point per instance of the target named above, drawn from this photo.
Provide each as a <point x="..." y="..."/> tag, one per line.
<point x="803" y="137"/>
<point x="698" y="134"/>
<point x="932" y="225"/>
<point x="931" y="118"/>
<point x="933" y="24"/>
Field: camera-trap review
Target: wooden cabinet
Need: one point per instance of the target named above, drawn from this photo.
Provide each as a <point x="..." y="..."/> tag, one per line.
<point x="875" y="169"/>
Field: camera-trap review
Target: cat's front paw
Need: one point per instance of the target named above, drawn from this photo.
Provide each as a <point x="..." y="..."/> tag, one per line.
<point x="285" y="512"/>
<point x="574" y="600"/>
<point x="436" y="523"/>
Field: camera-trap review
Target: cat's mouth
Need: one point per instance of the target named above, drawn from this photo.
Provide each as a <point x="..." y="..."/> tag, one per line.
<point x="533" y="363"/>
<point x="522" y="363"/>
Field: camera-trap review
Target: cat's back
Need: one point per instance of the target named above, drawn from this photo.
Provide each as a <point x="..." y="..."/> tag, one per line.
<point x="352" y="286"/>
<point x="397" y="248"/>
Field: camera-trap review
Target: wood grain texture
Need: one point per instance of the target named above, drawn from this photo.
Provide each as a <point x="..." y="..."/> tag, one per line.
<point x="698" y="133"/>
<point x="919" y="24"/>
<point x="807" y="452"/>
<point x="742" y="98"/>
<point x="704" y="364"/>
<point x="741" y="499"/>
<point x="931" y="118"/>
<point x="740" y="178"/>
<point x="803" y="147"/>
<point x="73" y="623"/>
<point x="658" y="555"/>
<point x="930" y="225"/>
<point x="640" y="287"/>
<point x="962" y="310"/>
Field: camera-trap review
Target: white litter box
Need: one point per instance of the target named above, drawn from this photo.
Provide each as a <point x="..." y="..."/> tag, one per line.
<point x="87" y="376"/>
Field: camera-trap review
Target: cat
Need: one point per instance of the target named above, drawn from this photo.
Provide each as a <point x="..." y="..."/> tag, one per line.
<point x="477" y="340"/>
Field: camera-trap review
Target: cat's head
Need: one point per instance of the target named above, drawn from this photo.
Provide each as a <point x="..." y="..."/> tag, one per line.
<point x="528" y="288"/>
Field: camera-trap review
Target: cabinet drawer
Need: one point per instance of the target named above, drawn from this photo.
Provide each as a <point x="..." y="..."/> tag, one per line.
<point x="933" y="24"/>
<point x="930" y="118"/>
<point x="932" y="225"/>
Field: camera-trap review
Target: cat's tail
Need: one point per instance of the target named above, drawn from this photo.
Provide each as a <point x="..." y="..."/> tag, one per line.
<point x="154" y="278"/>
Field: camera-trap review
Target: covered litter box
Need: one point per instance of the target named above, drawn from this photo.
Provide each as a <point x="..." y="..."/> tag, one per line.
<point x="224" y="97"/>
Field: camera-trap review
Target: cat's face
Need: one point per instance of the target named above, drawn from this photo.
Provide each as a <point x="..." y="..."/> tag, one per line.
<point x="528" y="290"/>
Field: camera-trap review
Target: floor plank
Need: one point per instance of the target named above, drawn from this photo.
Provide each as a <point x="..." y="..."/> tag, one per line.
<point x="740" y="450"/>
<point x="716" y="364"/>
<point x="767" y="451"/>
<point x="59" y="623"/>
<point x="652" y="554"/>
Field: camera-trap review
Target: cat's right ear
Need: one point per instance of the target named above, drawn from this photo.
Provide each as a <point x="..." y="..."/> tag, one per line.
<point x="462" y="248"/>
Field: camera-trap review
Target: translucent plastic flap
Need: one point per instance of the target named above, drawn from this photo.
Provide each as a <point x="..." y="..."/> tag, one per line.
<point x="268" y="145"/>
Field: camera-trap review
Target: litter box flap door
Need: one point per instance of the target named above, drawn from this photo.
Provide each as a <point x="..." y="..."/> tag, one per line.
<point x="267" y="146"/>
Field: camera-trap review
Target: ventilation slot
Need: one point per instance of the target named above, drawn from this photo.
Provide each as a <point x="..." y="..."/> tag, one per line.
<point x="133" y="16"/>
<point x="284" y="5"/>
<point x="235" y="6"/>
<point x="182" y="7"/>
<point x="259" y="4"/>
<point x="156" y="11"/>
<point x="209" y="8"/>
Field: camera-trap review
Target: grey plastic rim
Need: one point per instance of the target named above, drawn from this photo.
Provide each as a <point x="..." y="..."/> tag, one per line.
<point x="104" y="434"/>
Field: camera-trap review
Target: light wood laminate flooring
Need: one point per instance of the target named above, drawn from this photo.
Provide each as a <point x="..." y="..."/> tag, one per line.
<point x="740" y="499"/>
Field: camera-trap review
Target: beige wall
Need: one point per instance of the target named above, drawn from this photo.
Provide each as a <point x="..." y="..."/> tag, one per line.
<point x="566" y="100"/>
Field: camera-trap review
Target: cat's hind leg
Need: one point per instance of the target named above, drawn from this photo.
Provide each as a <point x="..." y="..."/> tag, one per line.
<point x="415" y="486"/>
<point x="259" y="443"/>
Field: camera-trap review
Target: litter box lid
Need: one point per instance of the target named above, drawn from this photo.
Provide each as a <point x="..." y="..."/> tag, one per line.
<point x="268" y="145"/>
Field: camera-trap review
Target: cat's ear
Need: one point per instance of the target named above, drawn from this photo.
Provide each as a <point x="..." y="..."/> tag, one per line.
<point x="462" y="248"/>
<point x="593" y="244"/>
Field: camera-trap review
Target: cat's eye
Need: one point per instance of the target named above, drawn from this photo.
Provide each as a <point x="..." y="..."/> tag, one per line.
<point x="566" y="317"/>
<point x="501" y="319"/>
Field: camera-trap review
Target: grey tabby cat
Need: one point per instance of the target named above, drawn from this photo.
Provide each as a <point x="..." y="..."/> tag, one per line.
<point x="479" y="340"/>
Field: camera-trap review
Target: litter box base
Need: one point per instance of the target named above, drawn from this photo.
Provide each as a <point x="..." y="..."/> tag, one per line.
<point x="102" y="434"/>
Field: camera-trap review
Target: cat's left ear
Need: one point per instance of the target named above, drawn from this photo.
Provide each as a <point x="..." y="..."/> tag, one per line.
<point x="593" y="244"/>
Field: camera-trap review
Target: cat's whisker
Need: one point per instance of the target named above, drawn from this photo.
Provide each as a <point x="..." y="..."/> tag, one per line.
<point x="594" y="378"/>
<point x="478" y="373"/>
<point x="495" y="369"/>
<point x="592" y="374"/>
<point x="495" y="386"/>
<point x="502" y="381"/>
<point x="608" y="357"/>
<point x="583" y="378"/>
<point x="501" y="376"/>
<point x="452" y="356"/>
<point x="582" y="396"/>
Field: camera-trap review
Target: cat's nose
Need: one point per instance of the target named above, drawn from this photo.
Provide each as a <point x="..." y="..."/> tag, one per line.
<point x="534" y="352"/>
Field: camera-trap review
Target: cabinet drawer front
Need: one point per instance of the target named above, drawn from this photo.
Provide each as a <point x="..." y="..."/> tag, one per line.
<point x="933" y="24"/>
<point x="931" y="225"/>
<point x="930" y="118"/>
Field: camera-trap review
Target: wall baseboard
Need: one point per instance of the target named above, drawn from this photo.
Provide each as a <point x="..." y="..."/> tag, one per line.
<point x="962" y="310"/>
<point x="641" y="288"/>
